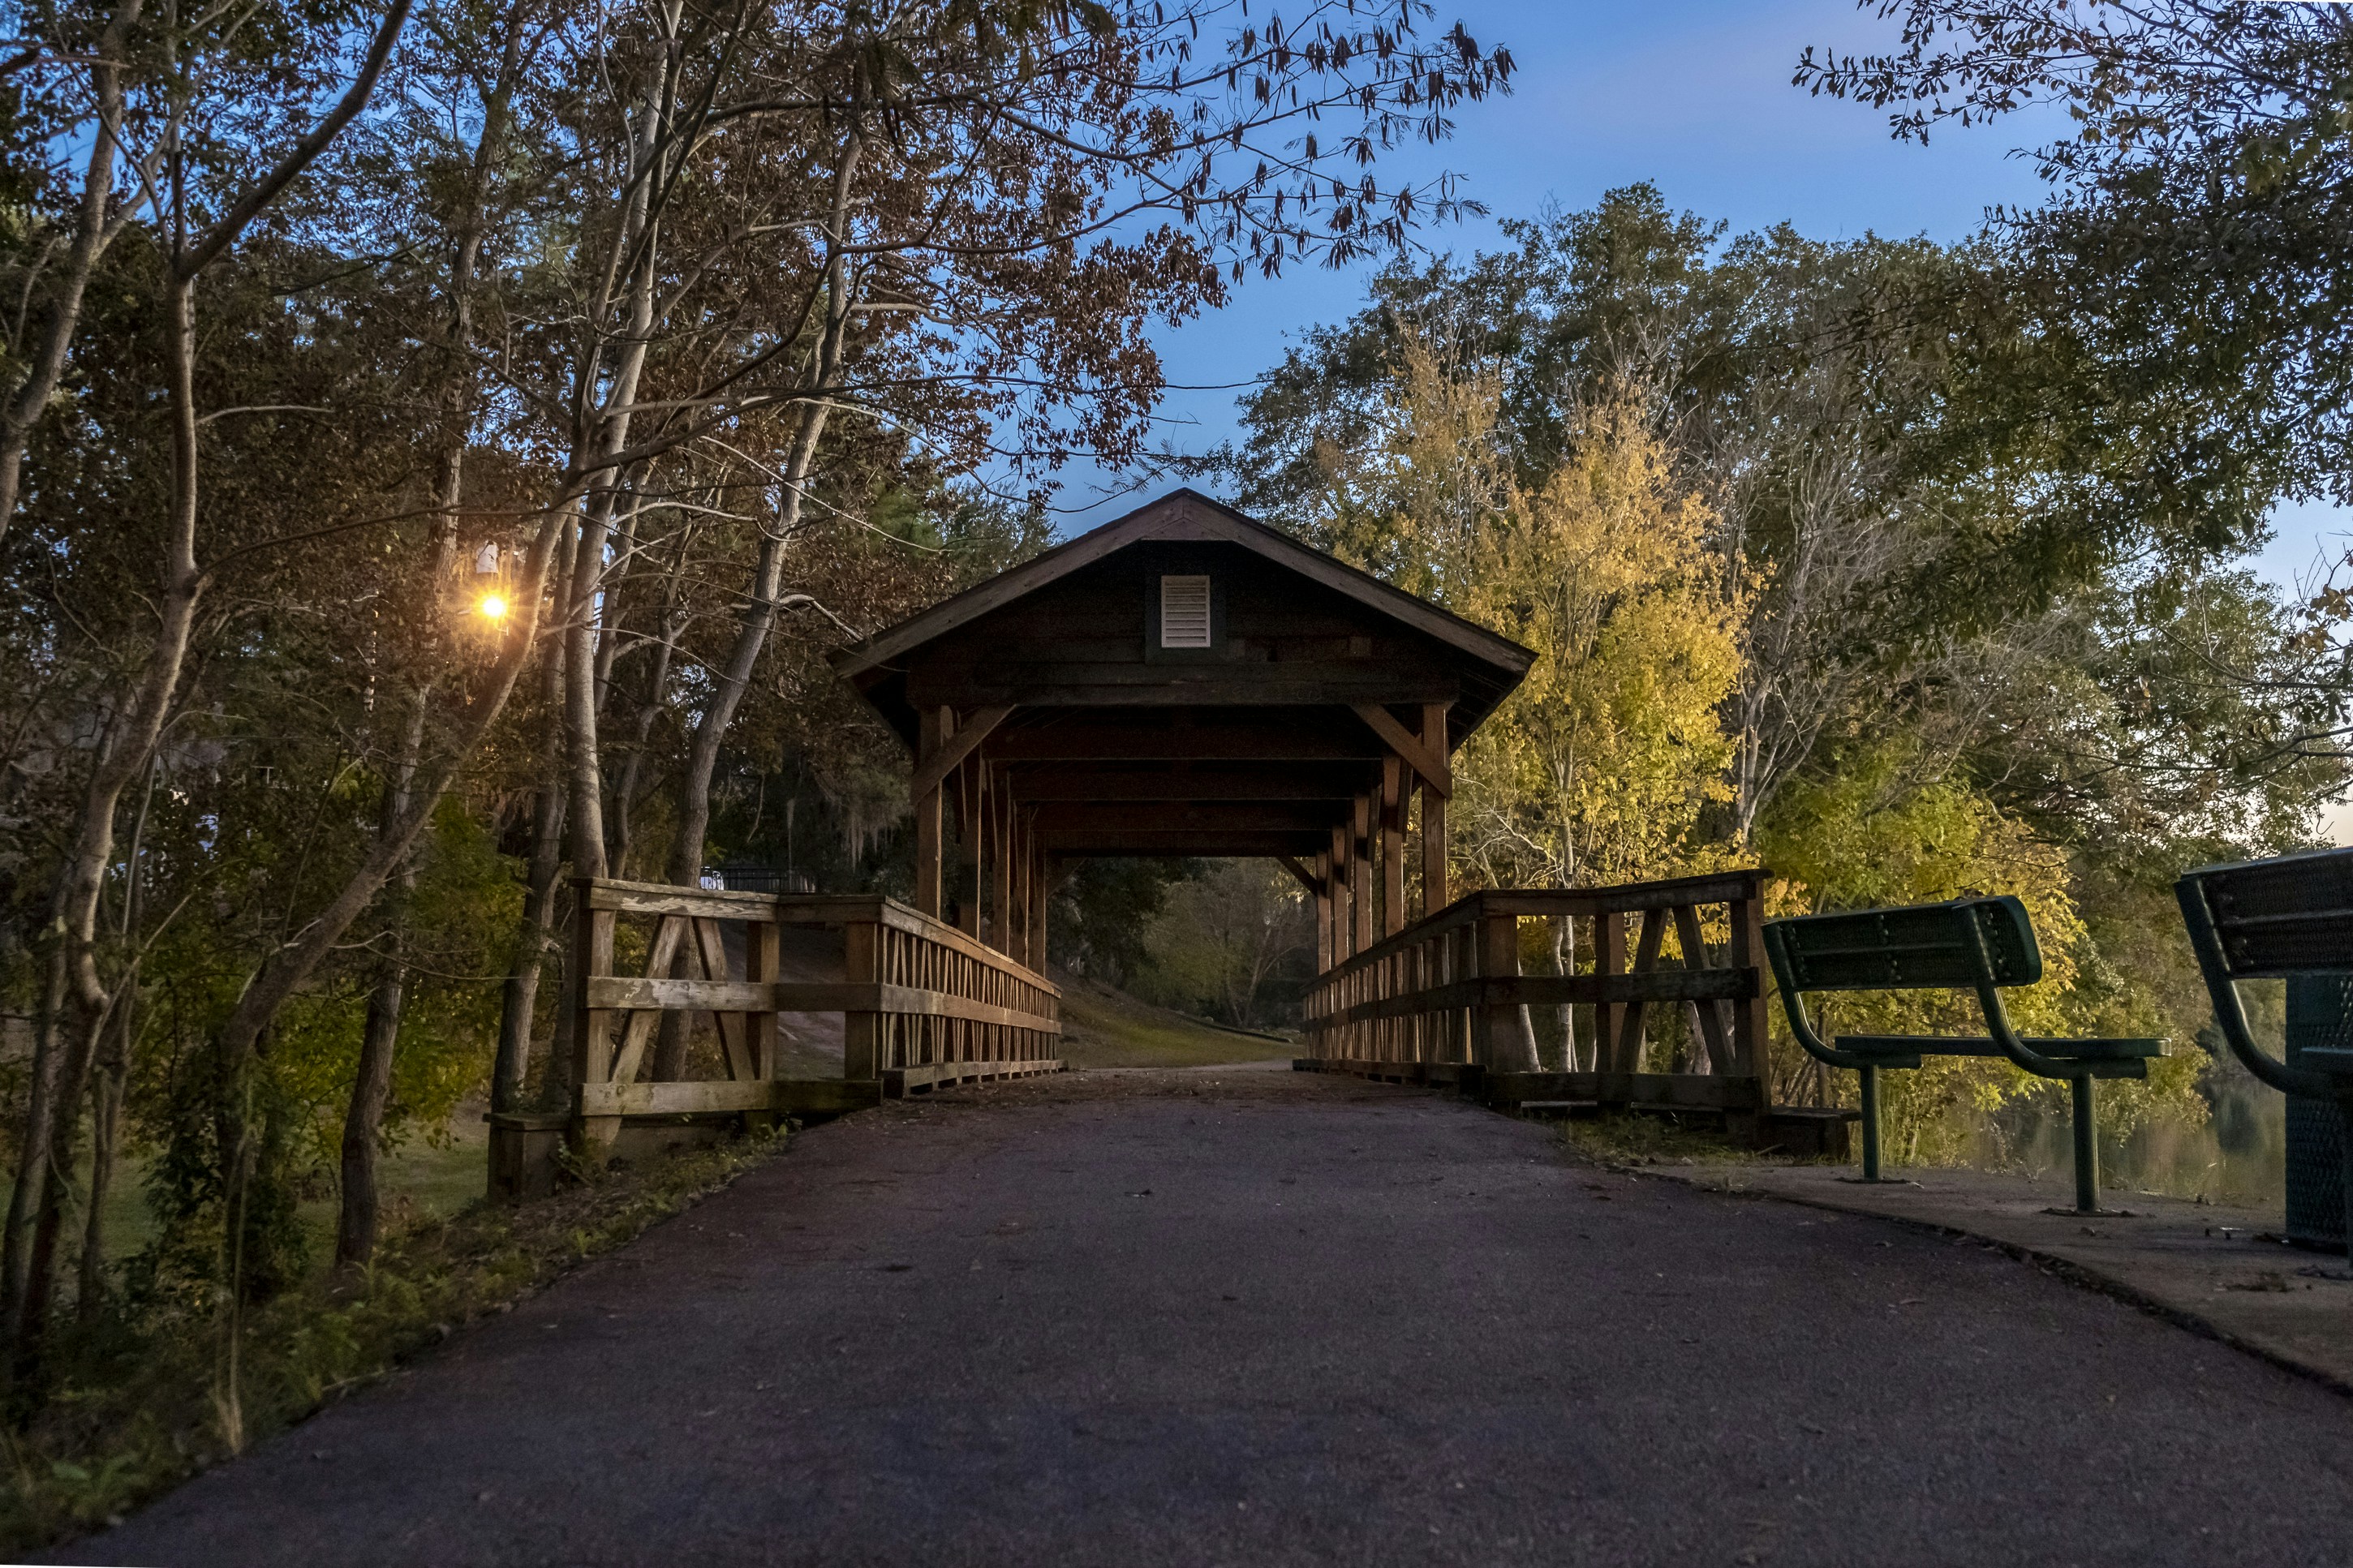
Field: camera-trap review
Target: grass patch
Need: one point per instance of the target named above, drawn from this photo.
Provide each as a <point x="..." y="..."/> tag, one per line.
<point x="1626" y="1138"/>
<point x="135" y="1409"/>
<point x="1104" y="1027"/>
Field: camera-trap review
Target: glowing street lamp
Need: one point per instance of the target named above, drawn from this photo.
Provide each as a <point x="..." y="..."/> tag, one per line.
<point x="492" y="607"/>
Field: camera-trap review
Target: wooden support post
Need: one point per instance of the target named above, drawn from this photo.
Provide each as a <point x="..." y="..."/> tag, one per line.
<point x="1749" y="1041"/>
<point x="1360" y="872"/>
<point x="592" y="1037"/>
<point x="1608" y="957"/>
<point x="976" y="827"/>
<point x="862" y="1042"/>
<point x="1709" y="1015"/>
<point x="1498" y="1041"/>
<point x="933" y="728"/>
<point x="1039" y="893"/>
<point x="1001" y="902"/>
<point x="1017" y="894"/>
<point x="734" y="1032"/>
<point x="763" y="959"/>
<point x="1646" y="959"/>
<point x="1342" y="881"/>
<point x="1323" y="911"/>
<point x="1393" y="789"/>
<point x="1433" y="815"/>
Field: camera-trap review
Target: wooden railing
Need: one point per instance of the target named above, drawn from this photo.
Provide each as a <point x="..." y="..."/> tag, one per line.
<point x="922" y="1003"/>
<point x="1451" y="992"/>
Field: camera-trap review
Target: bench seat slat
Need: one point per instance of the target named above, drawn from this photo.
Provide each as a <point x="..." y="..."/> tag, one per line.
<point x="2108" y="1059"/>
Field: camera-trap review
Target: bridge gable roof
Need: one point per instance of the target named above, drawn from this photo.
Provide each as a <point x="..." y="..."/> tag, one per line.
<point x="950" y="650"/>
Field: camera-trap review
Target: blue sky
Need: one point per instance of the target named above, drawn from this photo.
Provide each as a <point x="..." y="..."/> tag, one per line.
<point x="1692" y="95"/>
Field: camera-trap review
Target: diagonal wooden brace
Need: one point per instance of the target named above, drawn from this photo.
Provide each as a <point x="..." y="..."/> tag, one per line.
<point x="936" y="768"/>
<point x="1427" y="765"/>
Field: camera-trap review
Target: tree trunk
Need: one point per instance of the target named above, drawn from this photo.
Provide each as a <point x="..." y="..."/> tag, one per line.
<point x="372" y="1081"/>
<point x="364" y="1120"/>
<point x="520" y="1004"/>
<point x="74" y="996"/>
<point x="105" y="1147"/>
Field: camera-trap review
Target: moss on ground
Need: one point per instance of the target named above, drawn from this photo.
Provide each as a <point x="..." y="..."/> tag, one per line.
<point x="135" y="1408"/>
<point x="1629" y="1138"/>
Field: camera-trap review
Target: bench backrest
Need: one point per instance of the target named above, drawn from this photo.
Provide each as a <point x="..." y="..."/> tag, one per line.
<point x="2293" y="915"/>
<point x="1923" y="946"/>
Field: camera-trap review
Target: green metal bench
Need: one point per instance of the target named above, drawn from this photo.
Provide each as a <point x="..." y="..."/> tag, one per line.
<point x="1969" y="944"/>
<point x="2264" y="919"/>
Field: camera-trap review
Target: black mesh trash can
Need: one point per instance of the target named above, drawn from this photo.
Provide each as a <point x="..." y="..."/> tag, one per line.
<point x="2319" y="1013"/>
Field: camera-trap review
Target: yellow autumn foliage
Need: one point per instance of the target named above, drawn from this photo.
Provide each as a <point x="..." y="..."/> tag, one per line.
<point x="1596" y="769"/>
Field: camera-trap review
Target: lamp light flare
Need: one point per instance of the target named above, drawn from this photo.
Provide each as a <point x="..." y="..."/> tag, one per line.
<point x="492" y="607"/>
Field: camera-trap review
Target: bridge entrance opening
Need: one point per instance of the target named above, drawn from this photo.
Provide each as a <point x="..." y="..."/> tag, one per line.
<point x="1183" y="682"/>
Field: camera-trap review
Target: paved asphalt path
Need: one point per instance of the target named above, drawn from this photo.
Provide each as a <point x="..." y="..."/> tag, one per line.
<point x="1264" y="1319"/>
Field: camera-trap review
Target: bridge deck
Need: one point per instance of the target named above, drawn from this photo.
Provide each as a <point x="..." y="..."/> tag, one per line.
<point x="1279" y="1318"/>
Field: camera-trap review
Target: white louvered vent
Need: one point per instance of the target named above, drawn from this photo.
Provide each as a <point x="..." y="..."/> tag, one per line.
<point x="1184" y="612"/>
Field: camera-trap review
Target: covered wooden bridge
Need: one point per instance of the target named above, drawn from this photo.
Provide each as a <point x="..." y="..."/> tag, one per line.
<point x="1183" y="682"/>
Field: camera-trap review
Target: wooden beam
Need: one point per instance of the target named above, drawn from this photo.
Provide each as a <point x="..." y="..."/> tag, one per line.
<point x="1307" y="878"/>
<point x="1360" y="873"/>
<point x="1203" y="843"/>
<point x="953" y="749"/>
<point x="638" y="1032"/>
<point x="1252" y="816"/>
<point x="1045" y="782"/>
<point x="1323" y="911"/>
<point x="1434" y="893"/>
<point x="1392" y="846"/>
<point x="1338" y="878"/>
<point x="1000" y="901"/>
<point x="1689" y="937"/>
<point x="1258" y="736"/>
<point x="1430" y="767"/>
<point x="1181" y="685"/>
<point x="935" y="725"/>
<point x="975" y="820"/>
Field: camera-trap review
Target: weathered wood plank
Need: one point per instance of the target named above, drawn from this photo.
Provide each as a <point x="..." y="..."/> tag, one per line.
<point x="676" y="1099"/>
<point x="669" y="995"/>
<point x="1711" y="1016"/>
<point x="662" y="898"/>
<point x="1534" y="990"/>
<point x="805" y="996"/>
<point x="640" y="1030"/>
<point x="734" y="1037"/>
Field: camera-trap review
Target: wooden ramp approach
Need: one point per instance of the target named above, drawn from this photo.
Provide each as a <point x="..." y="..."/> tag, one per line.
<point x="923" y="1006"/>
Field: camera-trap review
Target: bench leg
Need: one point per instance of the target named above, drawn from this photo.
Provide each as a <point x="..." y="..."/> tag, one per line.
<point x="2087" y="1147"/>
<point x="2344" y="1163"/>
<point x="1870" y="1080"/>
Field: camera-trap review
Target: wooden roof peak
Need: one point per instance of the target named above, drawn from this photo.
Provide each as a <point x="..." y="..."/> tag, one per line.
<point x="1185" y="515"/>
